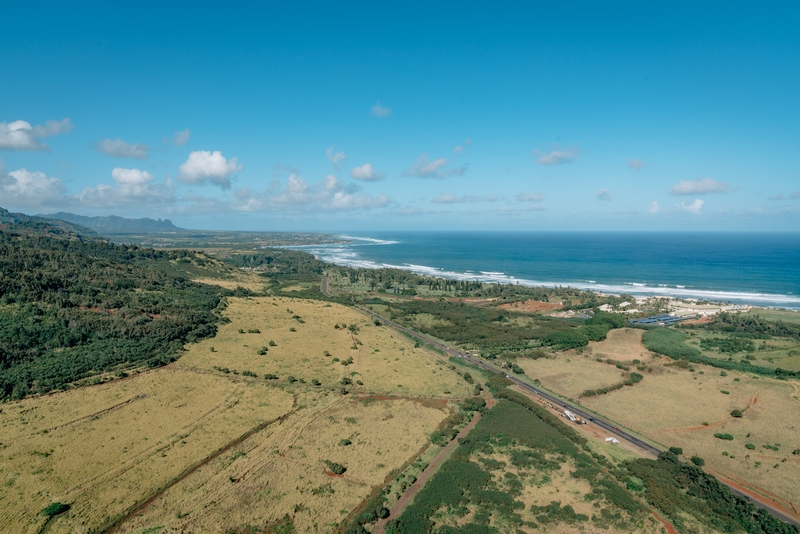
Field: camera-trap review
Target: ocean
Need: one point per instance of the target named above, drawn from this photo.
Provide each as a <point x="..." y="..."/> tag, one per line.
<point x="762" y="269"/>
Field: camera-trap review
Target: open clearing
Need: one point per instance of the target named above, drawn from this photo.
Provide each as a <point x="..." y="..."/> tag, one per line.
<point x="197" y="431"/>
<point x="103" y="448"/>
<point x="281" y="472"/>
<point x="571" y="375"/>
<point x="684" y="406"/>
<point x="531" y="306"/>
<point x="303" y="331"/>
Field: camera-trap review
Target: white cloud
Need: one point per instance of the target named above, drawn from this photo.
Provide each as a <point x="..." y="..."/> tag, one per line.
<point x="335" y="157"/>
<point x="425" y="168"/>
<point x="20" y="135"/>
<point x="700" y="187"/>
<point x="205" y="166"/>
<point x="450" y="198"/>
<point x="460" y="148"/>
<point x="635" y="164"/>
<point x="692" y="207"/>
<point x="796" y="194"/>
<point x="779" y="196"/>
<point x="117" y="148"/>
<point x="366" y="173"/>
<point x="604" y="195"/>
<point x="380" y="111"/>
<point x="556" y="156"/>
<point x="180" y="138"/>
<point x="23" y="188"/>
<point x="330" y="194"/>
<point x="653" y="208"/>
<point x="529" y="197"/>
<point x="133" y="186"/>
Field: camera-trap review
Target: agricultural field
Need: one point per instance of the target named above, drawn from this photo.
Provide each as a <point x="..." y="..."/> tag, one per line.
<point x="787" y="316"/>
<point x="249" y="432"/>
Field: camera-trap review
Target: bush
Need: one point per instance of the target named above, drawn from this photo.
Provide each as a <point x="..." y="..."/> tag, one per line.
<point x="53" y="509"/>
<point x="750" y="446"/>
<point x="336" y="469"/>
<point x="736" y="413"/>
<point x="345" y="442"/>
<point x="677" y="451"/>
<point x="727" y="437"/>
<point x="699" y="462"/>
<point x="270" y="376"/>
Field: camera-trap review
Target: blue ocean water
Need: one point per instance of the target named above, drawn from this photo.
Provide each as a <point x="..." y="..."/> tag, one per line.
<point x="755" y="268"/>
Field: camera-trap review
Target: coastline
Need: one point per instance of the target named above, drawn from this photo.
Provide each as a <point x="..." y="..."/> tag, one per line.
<point x="361" y="252"/>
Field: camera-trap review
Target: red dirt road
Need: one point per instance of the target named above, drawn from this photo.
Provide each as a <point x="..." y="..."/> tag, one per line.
<point x="406" y="499"/>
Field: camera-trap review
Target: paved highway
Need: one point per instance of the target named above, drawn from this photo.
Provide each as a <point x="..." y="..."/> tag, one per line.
<point x="561" y="403"/>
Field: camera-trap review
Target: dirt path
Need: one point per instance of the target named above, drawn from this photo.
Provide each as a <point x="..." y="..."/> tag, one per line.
<point x="760" y="496"/>
<point x="667" y="524"/>
<point x="429" y="471"/>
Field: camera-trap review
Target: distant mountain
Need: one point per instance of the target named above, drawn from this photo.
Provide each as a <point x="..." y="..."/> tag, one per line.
<point x="113" y="224"/>
<point x="42" y="225"/>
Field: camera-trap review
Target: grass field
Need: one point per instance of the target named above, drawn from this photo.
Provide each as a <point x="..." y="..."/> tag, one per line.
<point x="787" y="316"/>
<point x="103" y="448"/>
<point x="383" y="360"/>
<point x="572" y="375"/>
<point x="281" y="473"/>
<point x="771" y="353"/>
<point x="192" y="433"/>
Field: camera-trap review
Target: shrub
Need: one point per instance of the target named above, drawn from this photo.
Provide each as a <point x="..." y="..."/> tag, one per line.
<point x="724" y="392"/>
<point x="253" y="331"/>
<point x="736" y="413"/>
<point x="291" y="379"/>
<point x="636" y="377"/>
<point x="727" y="437"/>
<point x="315" y="382"/>
<point x="699" y="462"/>
<point x="272" y="343"/>
<point x="677" y="451"/>
<point x="345" y="442"/>
<point x="53" y="509"/>
<point x="335" y="468"/>
<point x="750" y="446"/>
<point x="270" y="376"/>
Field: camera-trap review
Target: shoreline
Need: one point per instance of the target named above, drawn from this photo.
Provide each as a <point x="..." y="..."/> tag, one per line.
<point x="351" y="259"/>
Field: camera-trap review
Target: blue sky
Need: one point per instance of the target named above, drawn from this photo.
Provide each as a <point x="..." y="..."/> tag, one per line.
<point x="405" y="116"/>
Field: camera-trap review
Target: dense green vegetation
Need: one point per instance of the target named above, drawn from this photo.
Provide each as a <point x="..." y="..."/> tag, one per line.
<point x="670" y="343"/>
<point x="679" y="489"/>
<point x="73" y="306"/>
<point x="534" y="439"/>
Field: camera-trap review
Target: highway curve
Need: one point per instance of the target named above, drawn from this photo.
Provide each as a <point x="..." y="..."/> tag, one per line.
<point x="648" y="448"/>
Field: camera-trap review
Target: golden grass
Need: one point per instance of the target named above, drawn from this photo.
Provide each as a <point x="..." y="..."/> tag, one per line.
<point x="281" y="471"/>
<point x="622" y="344"/>
<point x="571" y="375"/>
<point x="243" y="279"/>
<point x="673" y="407"/>
<point x="104" y="449"/>
<point x="385" y="361"/>
<point x="101" y="449"/>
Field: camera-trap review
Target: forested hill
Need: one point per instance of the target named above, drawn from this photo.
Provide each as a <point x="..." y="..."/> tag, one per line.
<point x="73" y="306"/>
<point x="113" y="224"/>
<point x="29" y="223"/>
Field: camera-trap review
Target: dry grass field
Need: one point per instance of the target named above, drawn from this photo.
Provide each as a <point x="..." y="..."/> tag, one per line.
<point x="685" y="407"/>
<point x="208" y="446"/>
<point x="675" y="407"/>
<point x="621" y="344"/>
<point x="281" y="472"/>
<point x="571" y="375"/>
<point x="103" y="448"/>
<point x="304" y="331"/>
